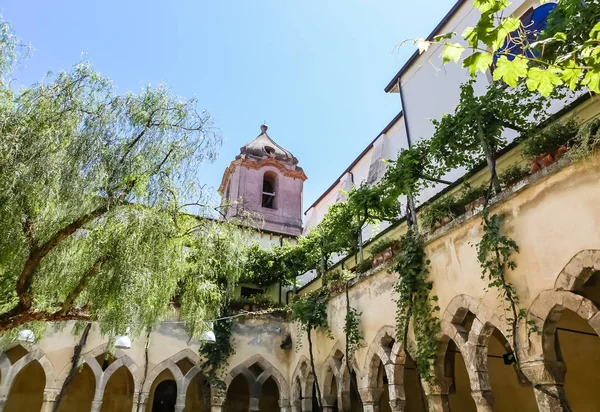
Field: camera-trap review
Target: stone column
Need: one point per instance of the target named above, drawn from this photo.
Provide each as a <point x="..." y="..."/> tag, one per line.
<point x="484" y="400"/>
<point x="297" y="405"/>
<point x="216" y="403"/>
<point x="141" y="405"/>
<point x="50" y="396"/>
<point x="253" y="405"/>
<point x="370" y="407"/>
<point x="548" y="380"/>
<point x="328" y="402"/>
<point x="437" y="394"/>
<point x="97" y="405"/>
<point x="397" y="405"/>
<point x="180" y="404"/>
<point x="370" y="398"/>
<point x="284" y="405"/>
<point x="306" y="405"/>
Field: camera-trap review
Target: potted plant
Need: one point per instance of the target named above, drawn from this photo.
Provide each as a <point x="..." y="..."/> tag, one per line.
<point x="440" y="212"/>
<point x="546" y="146"/>
<point x="382" y="251"/>
<point x="364" y="266"/>
<point x="471" y="197"/>
<point x="513" y="175"/>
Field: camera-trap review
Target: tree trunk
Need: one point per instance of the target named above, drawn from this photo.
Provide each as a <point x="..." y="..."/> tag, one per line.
<point x="314" y="371"/>
<point x="490" y="157"/>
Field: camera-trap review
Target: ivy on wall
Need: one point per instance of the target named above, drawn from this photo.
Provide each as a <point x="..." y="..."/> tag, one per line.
<point x="415" y="304"/>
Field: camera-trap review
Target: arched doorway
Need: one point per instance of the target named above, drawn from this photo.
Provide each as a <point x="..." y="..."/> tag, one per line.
<point x="165" y="396"/>
<point x="330" y="399"/>
<point x="238" y="395"/>
<point x="118" y="393"/>
<point x="80" y="393"/>
<point x="382" y="385"/>
<point x="578" y="346"/>
<point x="459" y="395"/>
<point x="510" y="392"/>
<point x="269" y="399"/>
<point x="197" y="398"/>
<point x="356" y="404"/>
<point x="27" y="390"/>
<point x="413" y="390"/>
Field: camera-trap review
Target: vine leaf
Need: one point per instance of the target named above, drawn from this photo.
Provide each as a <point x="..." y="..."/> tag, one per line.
<point x="452" y="52"/>
<point x="543" y="81"/>
<point x="510" y="71"/>
<point x="478" y="62"/>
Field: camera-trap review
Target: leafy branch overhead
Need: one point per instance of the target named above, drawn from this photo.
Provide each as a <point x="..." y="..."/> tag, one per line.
<point x="565" y="54"/>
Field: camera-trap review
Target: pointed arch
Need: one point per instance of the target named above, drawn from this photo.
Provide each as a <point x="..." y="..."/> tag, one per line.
<point x="268" y="371"/>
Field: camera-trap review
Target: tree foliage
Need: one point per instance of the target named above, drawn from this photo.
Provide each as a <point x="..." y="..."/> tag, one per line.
<point x="566" y="54"/>
<point x="92" y="186"/>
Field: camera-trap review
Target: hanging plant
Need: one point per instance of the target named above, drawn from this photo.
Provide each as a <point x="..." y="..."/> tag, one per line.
<point x="415" y="304"/>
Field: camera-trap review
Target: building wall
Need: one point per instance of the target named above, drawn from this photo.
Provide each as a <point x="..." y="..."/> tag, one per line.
<point x="558" y="201"/>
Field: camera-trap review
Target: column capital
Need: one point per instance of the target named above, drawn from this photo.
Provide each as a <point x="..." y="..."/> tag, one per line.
<point x="542" y="372"/>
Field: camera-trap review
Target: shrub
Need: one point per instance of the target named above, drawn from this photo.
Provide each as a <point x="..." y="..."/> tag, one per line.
<point x="469" y="194"/>
<point x="512" y="174"/>
<point x="549" y="139"/>
<point x="381" y="245"/>
<point x="365" y="265"/>
<point x="436" y="211"/>
<point x="587" y="141"/>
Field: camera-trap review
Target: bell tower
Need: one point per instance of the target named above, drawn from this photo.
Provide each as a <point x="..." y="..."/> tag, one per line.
<point x="266" y="179"/>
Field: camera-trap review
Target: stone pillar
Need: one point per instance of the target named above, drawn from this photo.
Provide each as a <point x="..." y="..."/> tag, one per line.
<point x="284" y="405"/>
<point x="484" y="400"/>
<point x="370" y="398"/>
<point x="50" y="396"/>
<point x="141" y="405"/>
<point x="329" y="403"/>
<point x="548" y="380"/>
<point x="370" y="407"/>
<point x="253" y="405"/>
<point x="216" y="403"/>
<point x="180" y="403"/>
<point x="306" y="405"/>
<point x="436" y="393"/>
<point x="97" y="405"/>
<point x="397" y="405"/>
<point x="297" y="405"/>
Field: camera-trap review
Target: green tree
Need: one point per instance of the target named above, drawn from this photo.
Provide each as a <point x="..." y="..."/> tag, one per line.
<point x="92" y="185"/>
<point x="475" y="131"/>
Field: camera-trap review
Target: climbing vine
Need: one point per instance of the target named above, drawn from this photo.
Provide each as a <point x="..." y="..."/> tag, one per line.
<point x="354" y="337"/>
<point x="310" y="311"/>
<point x="414" y="302"/>
<point x="217" y="353"/>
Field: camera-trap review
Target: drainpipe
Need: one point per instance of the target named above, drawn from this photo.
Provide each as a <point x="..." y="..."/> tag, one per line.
<point x="411" y="202"/>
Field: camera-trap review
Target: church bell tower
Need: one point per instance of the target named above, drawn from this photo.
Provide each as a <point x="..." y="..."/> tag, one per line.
<point x="266" y="179"/>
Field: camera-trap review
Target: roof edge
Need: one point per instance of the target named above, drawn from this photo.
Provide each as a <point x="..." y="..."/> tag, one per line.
<point x="416" y="54"/>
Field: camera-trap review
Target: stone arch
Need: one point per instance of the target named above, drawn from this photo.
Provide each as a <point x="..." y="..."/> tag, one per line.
<point x="579" y="269"/>
<point x="546" y="364"/>
<point x="467" y="325"/>
<point x="304" y="375"/>
<point x="34" y="354"/>
<point x="385" y="349"/>
<point x="165" y="364"/>
<point x="255" y="382"/>
<point x="545" y="312"/>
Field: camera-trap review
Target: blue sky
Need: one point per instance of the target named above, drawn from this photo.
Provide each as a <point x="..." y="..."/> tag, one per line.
<point x="314" y="69"/>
